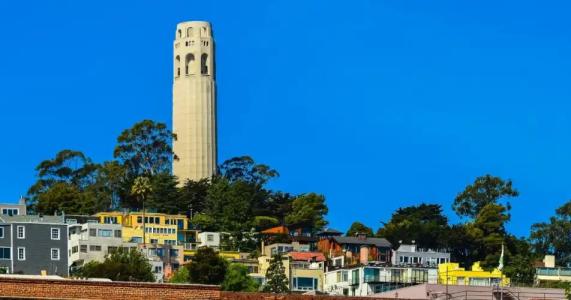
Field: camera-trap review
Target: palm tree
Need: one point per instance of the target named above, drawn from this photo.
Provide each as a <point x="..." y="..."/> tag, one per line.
<point x="141" y="188"/>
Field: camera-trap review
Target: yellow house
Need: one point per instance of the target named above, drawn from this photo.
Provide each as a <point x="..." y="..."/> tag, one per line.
<point x="159" y="228"/>
<point x="451" y="273"/>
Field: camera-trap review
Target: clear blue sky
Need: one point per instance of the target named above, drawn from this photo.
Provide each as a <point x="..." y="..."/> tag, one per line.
<point x="376" y="104"/>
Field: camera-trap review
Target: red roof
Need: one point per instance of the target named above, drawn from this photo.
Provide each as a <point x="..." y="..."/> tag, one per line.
<point x="307" y="256"/>
<point x="276" y="230"/>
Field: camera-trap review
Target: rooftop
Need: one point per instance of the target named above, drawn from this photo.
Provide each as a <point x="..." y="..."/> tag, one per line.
<point x="378" y="242"/>
<point x="32" y="219"/>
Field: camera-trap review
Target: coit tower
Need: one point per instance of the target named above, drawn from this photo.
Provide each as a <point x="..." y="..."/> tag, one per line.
<point x="194" y="102"/>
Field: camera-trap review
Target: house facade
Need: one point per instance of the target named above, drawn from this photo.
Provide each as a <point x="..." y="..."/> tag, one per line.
<point x="371" y="279"/>
<point x="356" y="250"/>
<point x="34" y="245"/>
<point x="13" y="209"/>
<point x="411" y="255"/>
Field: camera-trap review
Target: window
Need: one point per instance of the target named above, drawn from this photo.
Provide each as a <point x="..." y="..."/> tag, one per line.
<point x="157" y="220"/>
<point x="189" y="63"/>
<point x="1" y="232"/>
<point x="55" y="234"/>
<point x="55" y="253"/>
<point x="83" y="248"/>
<point x="94" y="248"/>
<point x="204" y="64"/>
<point x="304" y="283"/>
<point x="10" y="211"/>
<point x="4" y="253"/>
<point x="154" y="241"/>
<point x="105" y="232"/>
<point x="176" y="68"/>
<point x="139" y="220"/>
<point x="158" y="269"/>
<point x="110" y="220"/>
<point x="117" y="233"/>
<point x="74" y="249"/>
<point x="21" y="232"/>
<point x="210" y="237"/>
<point x="111" y="249"/>
<point x="92" y="232"/>
<point x="21" y="253"/>
<point x="189" y="32"/>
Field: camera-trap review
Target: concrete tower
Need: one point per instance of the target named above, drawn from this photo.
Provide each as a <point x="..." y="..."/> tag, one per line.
<point x="194" y="102"/>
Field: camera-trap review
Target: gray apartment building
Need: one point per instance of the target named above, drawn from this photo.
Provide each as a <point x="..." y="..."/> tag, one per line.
<point x="34" y="245"/>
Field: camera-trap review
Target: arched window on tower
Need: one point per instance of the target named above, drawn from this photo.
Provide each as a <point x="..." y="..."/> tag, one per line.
<point x="189" y="32"/>
<point x="204" y="64"/>
<point x="177" y="66"/>
<point x="179" y="33"/>
<point x="189" y="63"/>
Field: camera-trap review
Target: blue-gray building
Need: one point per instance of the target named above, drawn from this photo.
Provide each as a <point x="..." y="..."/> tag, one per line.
<point x="34" y="245"/>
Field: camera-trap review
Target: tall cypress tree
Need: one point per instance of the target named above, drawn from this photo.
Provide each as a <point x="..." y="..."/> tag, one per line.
<point x="276" y="280"/>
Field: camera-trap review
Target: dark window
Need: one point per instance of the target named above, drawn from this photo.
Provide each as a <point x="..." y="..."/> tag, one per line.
<point x="92" y="232"/>
<point x="117" y="233"/>
<point x="83" y="248"/>
<point x="4" y="253"/>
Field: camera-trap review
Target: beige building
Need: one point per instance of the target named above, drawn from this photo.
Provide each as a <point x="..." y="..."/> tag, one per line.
<point x="194" y="102"/>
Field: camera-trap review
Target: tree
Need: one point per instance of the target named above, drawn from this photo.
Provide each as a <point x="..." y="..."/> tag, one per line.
<point x="192" y="196"/>
<point x="237" y="279"/>
<point x="553" y="237"/>
<point x="424" y="224"/>
<point x="121" y="265"/>
<point x="62" y="184"/>
<point x="145" y="148"/>
<point x="141" y="188"/>
<point x="244" y="168"/>
<point x="276" y="280"/>
<point x="308" y="209"/>
<point x="204" y="222"/>
<point x="488" y="232"/>
<point x="164" y="195"/>
<point x="485" y="190"/>
<point x="180" y="276"/>
<point x="359" y="228"/>
<point x="207" y="267"/>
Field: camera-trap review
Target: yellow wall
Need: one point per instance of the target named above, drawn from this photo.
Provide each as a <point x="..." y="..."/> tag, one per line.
<point x="160" y="227"/>
<point x="451" y="273"/>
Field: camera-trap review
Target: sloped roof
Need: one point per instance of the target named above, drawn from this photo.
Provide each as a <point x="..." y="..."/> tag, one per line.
<point x="379" y="242"/>
<point x="276" y="230"/>
<point x="307" y="256"/>
<point x="329" y="231"/>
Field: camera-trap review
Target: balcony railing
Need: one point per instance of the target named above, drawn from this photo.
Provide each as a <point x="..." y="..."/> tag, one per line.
<point x="553" y="271"/>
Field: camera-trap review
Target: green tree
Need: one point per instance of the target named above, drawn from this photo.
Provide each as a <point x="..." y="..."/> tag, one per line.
<point x="180" y="276"/>
<point x="553" y="237"/>
<point x="63" y="184"/>
<point x="207" y="267"/>
<point x="244" y="168"/>
<point x="309" y="209"/>
<point x="145" y="148"/>
<point x="237" y="279"/>
<point x="359" y="228"/>
<point x="204" y="222"/>
<point x="485" y="190"/>
<point x="121" y="265"/>
<point x="424" y="224"/>
<point x="141" y="189"/>
<point x="488" y="232"/>
<point x="276" y="280"/>
<point x="165" y="194"/>
<point x="192" y="197"/>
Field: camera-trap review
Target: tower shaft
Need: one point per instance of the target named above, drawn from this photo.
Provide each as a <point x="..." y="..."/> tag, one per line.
<point x="194" y="102"/>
